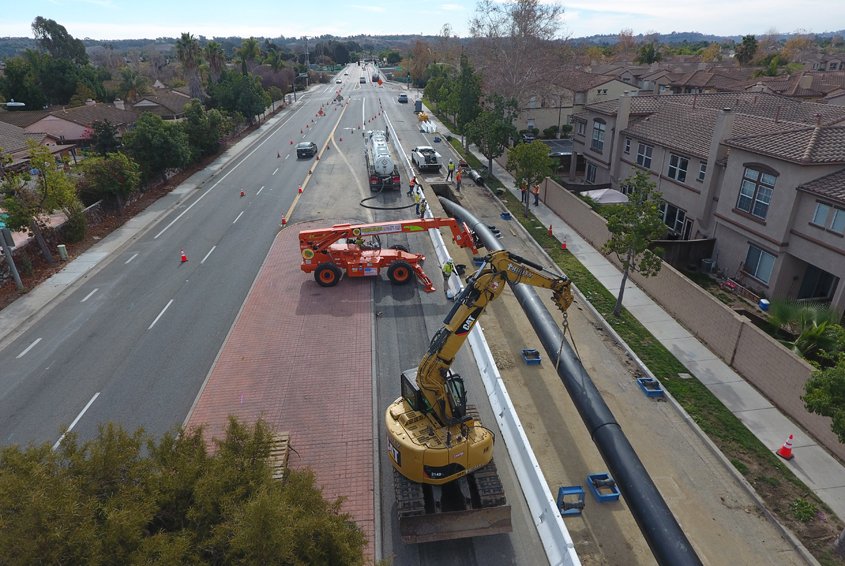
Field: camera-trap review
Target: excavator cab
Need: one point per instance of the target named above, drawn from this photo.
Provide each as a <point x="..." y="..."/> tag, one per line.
<point x="455" y="389"/>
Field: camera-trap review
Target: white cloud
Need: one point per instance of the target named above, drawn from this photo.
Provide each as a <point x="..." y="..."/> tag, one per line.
<point x="452" y="7"/>
<point x="370" y="8"/>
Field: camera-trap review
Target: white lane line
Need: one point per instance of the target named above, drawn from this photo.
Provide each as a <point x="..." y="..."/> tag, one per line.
<point x="208" y="254"/>
<point x="167" y="306"/>
<point x="130" y="259"/>
<point x="236" y="218"/>
<point x="259" y="190"/>
<point x="288" y="155"/>
<point x="76" y="420"/>
<point x="88" y="296"/>
<point x="28" y="348"/>
<point x="277" y="170"/>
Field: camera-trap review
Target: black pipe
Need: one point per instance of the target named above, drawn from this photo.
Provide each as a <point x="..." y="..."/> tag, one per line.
<point x="662" y="532"/>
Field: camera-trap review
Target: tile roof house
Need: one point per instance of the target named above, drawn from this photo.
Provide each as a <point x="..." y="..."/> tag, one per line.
<point x="762" y="174"/>
<point x="70" y="125"/>
<point x="808" y="85"/>
<point x="169" y="104"/>
<point x="14" y="143"/>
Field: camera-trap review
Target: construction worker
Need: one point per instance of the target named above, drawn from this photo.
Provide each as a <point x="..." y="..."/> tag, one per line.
<point x="422" y="206"/>
<point x="523" y="192"/>
<point x="535" y="190"/>
<point x="458" y="178"/>
<point x="448" y="268"/>
<point x="417" y="198"/>
<point x="411" y="184"/>
<point x="450" y="170"/>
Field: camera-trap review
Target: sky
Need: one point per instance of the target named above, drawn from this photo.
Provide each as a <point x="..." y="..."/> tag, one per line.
<point x="135" y="19"/>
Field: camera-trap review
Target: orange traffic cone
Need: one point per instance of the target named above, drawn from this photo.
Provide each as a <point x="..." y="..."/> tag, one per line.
<point x="284" y="221"/>
<point x="243" y="194"/>
<point x="785" y="451"/>
<point x="550" y="230"/>
<point x="291" y="142"/>
<point x="184" y="257"/>
<point x="300" y="189"/>
<point x="563" y="244"/>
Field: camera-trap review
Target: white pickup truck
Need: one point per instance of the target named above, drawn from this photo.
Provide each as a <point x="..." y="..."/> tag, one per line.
<point x="426" y="158"/>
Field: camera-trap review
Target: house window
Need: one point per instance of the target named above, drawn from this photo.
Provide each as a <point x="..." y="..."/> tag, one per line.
<point x="755" y="193"/>
<point x="674" y="217"/>
<point x="580" y="127"/>
<point x="702" y="170"/>
<point x="644" y="155"/>
<point x="627" y="146"/>
<point x="838" y="222"/>
<point x="626" y="189"/>
<point x="591" y="172"/>
<point x="678" y="167"/>
<point x="759" y="264"/>
<point x="820" y="215"/>
<point x="598" y="135"/>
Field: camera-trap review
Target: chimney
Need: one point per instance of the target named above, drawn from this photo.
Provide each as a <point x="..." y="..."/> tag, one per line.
<point x="806" y="81"/>
<point x="118" y="103"/>
<point x="818" y="120"/>
<point x="712" y="180"/>
<point x="777" y="114"/>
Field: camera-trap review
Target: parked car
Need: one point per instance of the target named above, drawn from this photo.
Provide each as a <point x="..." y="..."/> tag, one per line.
<point x="362" y="80"/>
<point x="403" y="98"/>
<point x="338" y="81"/>
<point x="306" y="149"/>
<point x="528" y="137"/>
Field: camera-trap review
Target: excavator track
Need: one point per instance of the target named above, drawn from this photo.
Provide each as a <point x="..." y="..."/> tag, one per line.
<point x="484" y="512"/>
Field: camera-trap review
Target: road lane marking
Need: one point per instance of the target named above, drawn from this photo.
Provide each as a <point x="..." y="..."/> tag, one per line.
<point x="288" y="155"/>
<point x="237" y="217"/>
<point x="28" y="348"/>
<point x="88" y="296"/>
<point x="130" y="259"/>
<point x="276" y="171"/>
<point x="76" y="420"/>
<point x="167" y="306"/>
<point x="208" y="254"/>
<point x="259" y="190"/>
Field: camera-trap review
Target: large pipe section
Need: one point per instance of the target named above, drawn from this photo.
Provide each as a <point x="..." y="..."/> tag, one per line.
<point x="662" y="532"/>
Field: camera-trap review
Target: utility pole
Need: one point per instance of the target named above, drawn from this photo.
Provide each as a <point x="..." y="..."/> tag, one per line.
<point x="307" y="64"/>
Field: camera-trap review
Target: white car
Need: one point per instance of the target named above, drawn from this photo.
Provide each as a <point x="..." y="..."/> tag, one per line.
<point x="338" y="81"/>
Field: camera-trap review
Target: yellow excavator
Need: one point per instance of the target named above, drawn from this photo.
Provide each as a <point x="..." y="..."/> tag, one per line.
<point x="445" y="481"/>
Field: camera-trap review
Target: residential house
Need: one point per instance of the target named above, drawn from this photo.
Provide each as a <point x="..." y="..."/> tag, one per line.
<point x="762" y="174"/>
<point x="571" y="90"/>
<point x="169" y="104"/>
<point x="808" y="85"/>
<point x="14" y="144"/>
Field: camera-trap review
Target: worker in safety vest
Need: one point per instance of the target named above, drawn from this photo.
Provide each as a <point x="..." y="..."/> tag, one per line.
<point x="448" y="268"/>
<point x="422" y="206"/>
<point x="450" y="170"/>
<point x="458" y="178"/>
<point x="535" y="190"/>
<point x="417" y="199"/>
<point x="411" y="184"/>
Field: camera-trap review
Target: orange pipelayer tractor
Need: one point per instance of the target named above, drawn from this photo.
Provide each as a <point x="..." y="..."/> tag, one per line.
<point x="357" y="249"/>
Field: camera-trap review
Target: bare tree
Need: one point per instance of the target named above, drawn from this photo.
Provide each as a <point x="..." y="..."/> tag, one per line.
<point x="514" y="44"/>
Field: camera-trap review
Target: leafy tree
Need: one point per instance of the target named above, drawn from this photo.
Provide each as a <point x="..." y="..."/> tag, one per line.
<point x="55" y="39"/>
<point x="240" y="93"/>
<point x="492" y="130"/>
<point x="469" y="94"/>
<point x="189" y="54"/>
<point x="105" y="137"/>
<point x="711" y="53"/>
<point x="114" y="177"/>
<point x="249" y="53"/>
<point x="648" y="53"/>
<point x="29" y="199"/>
<point x="203" y="128"/>
<point x="124" y="498"/>
<point x="157" y="146"/>
<point x="21" y="82"/>
<point x="530" y="164"/>
<point x="393" y="57"/>
<point x="632" y="228"/>
<point x="746" y="50"/>
<point x="824" y="394"/>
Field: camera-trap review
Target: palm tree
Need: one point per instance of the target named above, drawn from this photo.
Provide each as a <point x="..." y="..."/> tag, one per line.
<point x="216" y="59"/>
<point x="275" y="60"/>
<point x="132" y="84"/>
<point x="249" y="52"/>
<point x="809" y="323"/>
<point x="189" y="54"/>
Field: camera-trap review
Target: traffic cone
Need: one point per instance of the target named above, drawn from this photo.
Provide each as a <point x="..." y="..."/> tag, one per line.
<point x="243" y="194"/>
<point x="183" y="257"/>
<point x="291" y="142"/>
<point x="300" y="188"/>
<point x="563" y="244"/>
<point x="341" y="139"/>
<point x="300" y="130"/>
<point x="785" y="451"/>
<point x="550" y="230"/>
<point x="284" y="221"/>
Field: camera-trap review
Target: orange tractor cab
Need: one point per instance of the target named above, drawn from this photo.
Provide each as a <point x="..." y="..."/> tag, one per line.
<point x="357" y="250"/>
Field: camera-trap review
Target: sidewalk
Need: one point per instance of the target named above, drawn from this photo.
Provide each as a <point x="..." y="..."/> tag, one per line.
<point x="819" y="471"/>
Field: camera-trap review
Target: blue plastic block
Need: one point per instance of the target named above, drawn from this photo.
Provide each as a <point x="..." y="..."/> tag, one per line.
<point x="570" y="506"/>
<point x="603" y="487"/>
<point x="531" y="356"/>
<point x="650" y="387"/>
<point x="505" y="215"/>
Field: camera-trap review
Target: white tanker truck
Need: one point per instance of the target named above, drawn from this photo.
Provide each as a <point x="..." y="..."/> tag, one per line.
<point x="381" y="168"/>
